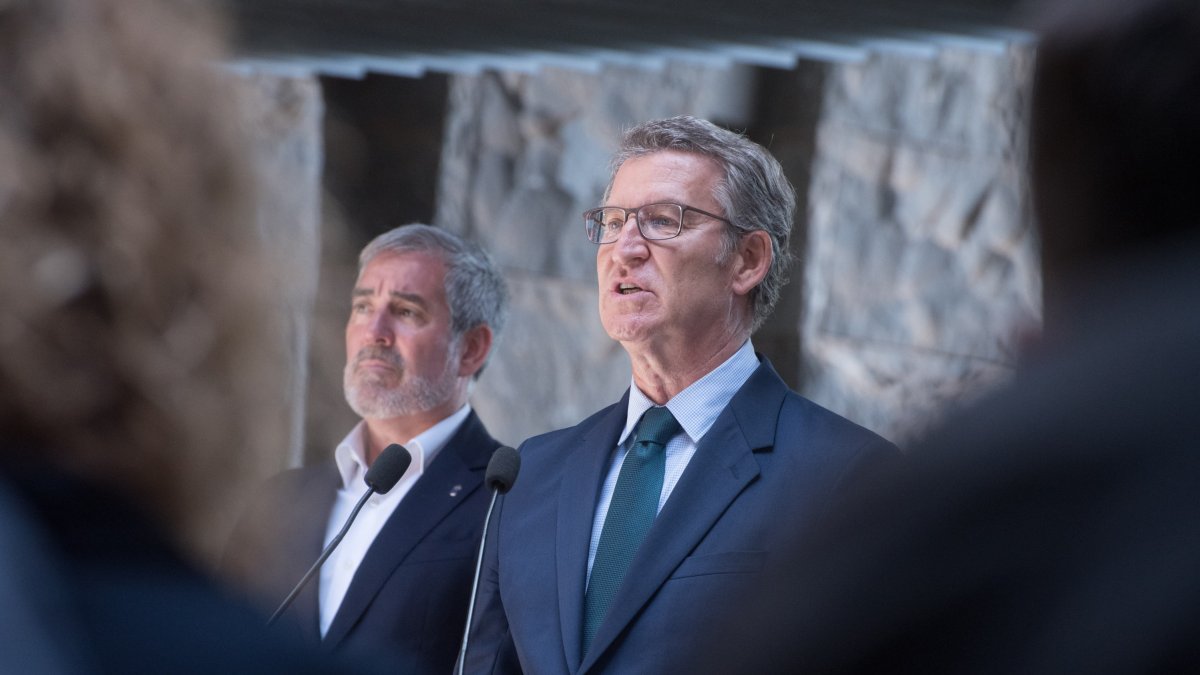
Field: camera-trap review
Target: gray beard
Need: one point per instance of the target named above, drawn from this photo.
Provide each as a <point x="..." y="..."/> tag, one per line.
<point x="370" y="398"/>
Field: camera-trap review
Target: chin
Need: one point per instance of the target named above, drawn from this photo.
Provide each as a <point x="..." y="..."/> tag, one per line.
<point x="627" y="331"/>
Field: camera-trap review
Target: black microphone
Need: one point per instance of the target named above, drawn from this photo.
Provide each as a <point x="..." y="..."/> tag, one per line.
<point x="502" y="469"/>
<point x="388" y="468"/>
<point x="501" y="474"/>
<point x="383" y="475"/>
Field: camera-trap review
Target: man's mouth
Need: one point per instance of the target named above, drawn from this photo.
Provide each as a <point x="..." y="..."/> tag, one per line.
<point x="626" y="289"/>
<point x="377" y="359"/>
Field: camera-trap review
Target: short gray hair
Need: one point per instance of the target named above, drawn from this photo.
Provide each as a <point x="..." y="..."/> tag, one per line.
<point x="754" y="192"/>
<point x="475" y="289"/>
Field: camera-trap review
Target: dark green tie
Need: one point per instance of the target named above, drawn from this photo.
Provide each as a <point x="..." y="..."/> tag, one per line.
<point x="630" y="514"/>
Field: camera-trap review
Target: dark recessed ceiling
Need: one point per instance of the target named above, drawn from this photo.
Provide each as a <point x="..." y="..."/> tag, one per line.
<point x="412" y="37"/>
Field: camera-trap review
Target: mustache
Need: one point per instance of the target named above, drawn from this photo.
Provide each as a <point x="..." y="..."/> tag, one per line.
<point x="379" y="354"/>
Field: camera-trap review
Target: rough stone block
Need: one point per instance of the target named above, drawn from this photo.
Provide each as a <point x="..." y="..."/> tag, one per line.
<point x="283" y="120"/>
<point x="921" y="269"/>
<point x="554" y="365"/>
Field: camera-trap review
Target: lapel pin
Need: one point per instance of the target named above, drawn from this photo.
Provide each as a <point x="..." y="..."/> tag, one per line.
<point x="455" y="490"/>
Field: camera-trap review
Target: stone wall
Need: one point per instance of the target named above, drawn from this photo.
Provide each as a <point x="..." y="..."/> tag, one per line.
<point x="524" y="156"/>
<point x="922" y="265"/>
<point x="917" y="263"/>
<point x="916" y="259"/>
<point x="283" y="116"/>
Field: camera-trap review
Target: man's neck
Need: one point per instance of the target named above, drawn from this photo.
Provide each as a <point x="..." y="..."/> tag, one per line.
<point x="661" y="374"/>
<point x="380" y="433"/>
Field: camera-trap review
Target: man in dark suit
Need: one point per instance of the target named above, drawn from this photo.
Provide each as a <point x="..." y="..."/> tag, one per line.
<point x="425" y="310"/>
<point x="626" y="529"/>
<point x="1053" y="527"/>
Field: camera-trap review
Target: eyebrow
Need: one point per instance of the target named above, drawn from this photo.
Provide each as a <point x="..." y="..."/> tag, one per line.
<point x="394" y="295"/>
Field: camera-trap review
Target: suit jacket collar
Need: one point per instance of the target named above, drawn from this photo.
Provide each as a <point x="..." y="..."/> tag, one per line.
<point x="724" y="464"/>
<point x="453" y="476"/>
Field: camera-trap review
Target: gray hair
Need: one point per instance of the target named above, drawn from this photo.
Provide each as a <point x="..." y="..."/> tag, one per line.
<point x="475" y="289"/>
<point x="754" y="193"/>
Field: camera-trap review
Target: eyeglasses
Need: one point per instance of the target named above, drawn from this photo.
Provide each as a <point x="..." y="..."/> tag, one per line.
<point x="654" y="221"/>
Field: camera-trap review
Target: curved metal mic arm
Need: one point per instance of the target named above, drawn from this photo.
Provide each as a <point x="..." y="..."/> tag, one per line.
<point x="462" y="652"/>
<point x="500" y="475"/>
<point x="324" y="555"/>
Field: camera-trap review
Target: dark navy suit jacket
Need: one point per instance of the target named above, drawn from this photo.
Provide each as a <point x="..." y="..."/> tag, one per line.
<point x="770" y="464"/>
<point x="408" y="600"/>
<point x="113" y="594"/>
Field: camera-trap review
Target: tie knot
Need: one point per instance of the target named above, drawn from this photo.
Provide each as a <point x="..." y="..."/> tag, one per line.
<point x="658" y="426"/>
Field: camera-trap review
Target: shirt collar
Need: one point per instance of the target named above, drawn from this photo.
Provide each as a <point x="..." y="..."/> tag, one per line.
<point x="350" y="454"/>
<point x="698" y="406"/>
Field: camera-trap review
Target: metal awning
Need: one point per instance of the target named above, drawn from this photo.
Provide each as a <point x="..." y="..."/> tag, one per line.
<point x="350" y="38"/>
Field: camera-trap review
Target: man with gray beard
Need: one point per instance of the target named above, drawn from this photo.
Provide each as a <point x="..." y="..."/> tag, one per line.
<point x="425" y="311"/>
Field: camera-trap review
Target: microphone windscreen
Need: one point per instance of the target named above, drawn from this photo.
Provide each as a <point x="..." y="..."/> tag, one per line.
<point x="388" y="467"/>
<point x="502" y="469"/>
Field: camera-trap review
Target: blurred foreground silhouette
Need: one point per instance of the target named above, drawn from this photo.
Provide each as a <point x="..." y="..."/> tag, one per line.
<point x="1054" y="527"/>
<point x="138" y="368"/>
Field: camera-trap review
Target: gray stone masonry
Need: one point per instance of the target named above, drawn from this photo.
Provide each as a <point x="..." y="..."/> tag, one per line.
<point x="921" y="270"/>
<point x="917" y="263"/>
<point x="917" y="266"/>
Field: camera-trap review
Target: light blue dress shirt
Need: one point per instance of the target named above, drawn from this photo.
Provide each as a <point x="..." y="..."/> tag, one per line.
<point x="696" y="408"/>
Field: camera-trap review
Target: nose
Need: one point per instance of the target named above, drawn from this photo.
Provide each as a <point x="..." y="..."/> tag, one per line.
<point x="630" y="244"/>
<point x="378" y="328"/>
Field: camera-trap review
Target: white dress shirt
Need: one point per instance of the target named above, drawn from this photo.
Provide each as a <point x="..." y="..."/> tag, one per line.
<point x="339" y="569"/>
<point x="696" y="408"/>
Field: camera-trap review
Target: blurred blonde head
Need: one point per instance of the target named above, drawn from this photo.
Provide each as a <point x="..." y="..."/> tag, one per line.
<point x="134" y="339"/>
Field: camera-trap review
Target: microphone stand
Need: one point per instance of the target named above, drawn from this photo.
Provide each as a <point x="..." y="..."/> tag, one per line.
<point x="324" y="555"/>
<point x="462" y="653"/>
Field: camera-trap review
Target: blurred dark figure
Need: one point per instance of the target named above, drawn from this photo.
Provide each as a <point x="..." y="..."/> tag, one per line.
<point x="1054" y="528"/>
<point x="38" y="631"/>
<point x="137" y="359"/>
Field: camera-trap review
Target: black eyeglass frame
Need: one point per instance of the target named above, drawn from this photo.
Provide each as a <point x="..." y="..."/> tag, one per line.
<point x="637" y="219"/>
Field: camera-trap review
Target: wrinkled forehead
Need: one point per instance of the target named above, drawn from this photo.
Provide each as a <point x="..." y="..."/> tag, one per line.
<point x="389" y="269"/>
<point x="676" y="177"/>
<point x="694" y="159"/>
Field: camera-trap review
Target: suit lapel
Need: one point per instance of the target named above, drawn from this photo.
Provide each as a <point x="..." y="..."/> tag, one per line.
<point x="460" y="463"/>
<point x="723" y="465"/>
<point x="583" y="473"/>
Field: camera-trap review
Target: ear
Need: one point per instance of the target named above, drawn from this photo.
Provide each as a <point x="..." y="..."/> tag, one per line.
<point x="751" y="260"/>
<point x="476" y="344"/>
